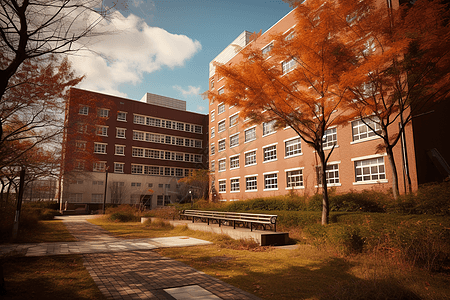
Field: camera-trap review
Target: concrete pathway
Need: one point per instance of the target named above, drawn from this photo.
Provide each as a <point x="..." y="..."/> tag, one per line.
<point x="128" y="269"/>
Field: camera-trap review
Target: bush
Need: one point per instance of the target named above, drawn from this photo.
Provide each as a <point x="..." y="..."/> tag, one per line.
<point x="122" y="213"/>
<point x="167" y="212"/>
<point x="365" y="201"/>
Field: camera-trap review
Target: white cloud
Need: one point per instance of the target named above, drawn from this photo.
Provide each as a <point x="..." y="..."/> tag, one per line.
<point x="131" y="49"/>
<point x="191" y="91"/>
<point x="200" y="108"/>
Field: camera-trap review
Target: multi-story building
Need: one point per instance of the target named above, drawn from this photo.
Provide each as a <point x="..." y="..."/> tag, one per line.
<point x="131" y="151"/>
<point x="249" y="161"/>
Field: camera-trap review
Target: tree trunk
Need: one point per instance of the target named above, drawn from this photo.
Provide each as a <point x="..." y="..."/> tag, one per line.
<point x="323" y="176"/>
<point x="390" y="155"/>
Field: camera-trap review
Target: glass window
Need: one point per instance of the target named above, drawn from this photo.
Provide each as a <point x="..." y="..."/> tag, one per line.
<point x="120" y="133"/>
<point x="220" y="108"/>
<point x="221" y="145"/>
<point x="103" y="112"/>
<point x="84" y="110"/>
<point x="293" y="147"/>
<point x="234" y="120"/>
<point x="234" y="162"/>
<point x="234" y="185"/>
<point x="213" y="149"/>
<point x="213" y="166"/>
<point x="213" y="115"/>
<point x="271" y="181"/>
<point x="288" y="65"/>
<point x="250" y="134"/>
<point x="251" y="183"/>
<point x="370" y="170"/>
<point x="221" y="126"/>
<point x="99" y="166"/>
<point x="222" y="186"/>
<point x="332" y="174"/>
<point x="234" y="140"/>
<point x="265" y="51"/>
<point x="120" y="150"/>
<point x="330" y="138"/>
<point x="121" y="116"/>
<point x="270" y="153"/>
<point x="213" y="132"/>
<point x="294" y="178"/>
<point x="99" y="148"/>
<point x="250" y="158"/>
<point x="118" y="167"/>
<point x="139" y="119"/>
<point x="268" y="127"/>
<point x="102" y="130"/>
<point x="362" y="131"/>
<point x="222" y="164"/>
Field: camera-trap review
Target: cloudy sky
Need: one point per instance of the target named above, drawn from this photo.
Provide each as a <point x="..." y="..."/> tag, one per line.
<point x="164" y="47"/>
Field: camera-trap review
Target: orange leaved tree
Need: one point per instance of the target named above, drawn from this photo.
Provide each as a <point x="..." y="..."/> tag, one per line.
<point x="304" y="91"/>
<point x="402" y="63"/>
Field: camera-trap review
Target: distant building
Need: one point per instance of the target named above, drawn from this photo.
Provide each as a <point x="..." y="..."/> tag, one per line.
<point x="142" y="147"/>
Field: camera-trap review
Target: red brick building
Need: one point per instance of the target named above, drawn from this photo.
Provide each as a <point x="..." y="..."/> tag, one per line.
<point x="145" y="146"/>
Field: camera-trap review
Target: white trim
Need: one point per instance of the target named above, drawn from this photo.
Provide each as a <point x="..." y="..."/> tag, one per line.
<point x="292" y="138"/>
<point x="368" y="157"/>
<point x="273" y="132"/>
<point x="366" y="139"/>
<point x="272" y="172"/>
<point x="371" y="182"/>
<point x="268" y="190"/>
<point x="253" y="175"/>
<point x="250" y="127"/>
<point x="294" y="169"/>
<point x="239" y="177"/>
<point x="256" y="149"/>
<point x="295" y="188"/>
<point x="295" y="155"/>
<point x="269" y="145"/>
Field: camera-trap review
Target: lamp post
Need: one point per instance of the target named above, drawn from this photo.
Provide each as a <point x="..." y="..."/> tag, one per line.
<point x="106" y="189"/>
<point x="190" y="193"/>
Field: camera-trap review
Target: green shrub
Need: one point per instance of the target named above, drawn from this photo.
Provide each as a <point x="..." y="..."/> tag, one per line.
<point x="48" y="214"/>
<point x="123" y="213"/>
<point x="365" y="201"/>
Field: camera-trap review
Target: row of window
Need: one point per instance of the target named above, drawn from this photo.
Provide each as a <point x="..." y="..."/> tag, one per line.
<point x="360" y="130"/>
<point x="134" y="199"/>
<point x="167" y="155"/>
<point x="156" y="122"/>
<point x="367" y="170"/>
<point x="159" y="171"/>
<point x="121" y="183"/>
<point x="165" y="139"/>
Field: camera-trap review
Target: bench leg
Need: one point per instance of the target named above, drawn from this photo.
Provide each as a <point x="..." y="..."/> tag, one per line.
<point x="193" y="218"/>
<point x="208" y="221"/>
<point x="251" y="226"/>
<point x="219" y="222"/>
<point x="234" y="224"/>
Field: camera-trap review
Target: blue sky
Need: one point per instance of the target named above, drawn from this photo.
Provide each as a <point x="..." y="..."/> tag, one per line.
<point x="164" y="47"/>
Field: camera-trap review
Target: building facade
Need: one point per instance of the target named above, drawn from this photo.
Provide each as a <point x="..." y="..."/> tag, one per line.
<point x="248" y="161"/>
<point x="134" y="152"/>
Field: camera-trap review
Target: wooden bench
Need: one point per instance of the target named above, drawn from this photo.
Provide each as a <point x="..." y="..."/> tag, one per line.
<point x="243" y="219"/>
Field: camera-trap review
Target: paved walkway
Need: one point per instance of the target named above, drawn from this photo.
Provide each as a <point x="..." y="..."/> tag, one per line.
<point x="128" y="269"/>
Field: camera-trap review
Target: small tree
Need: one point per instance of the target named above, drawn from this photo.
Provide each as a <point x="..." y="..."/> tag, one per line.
<point x="304" y="91"/>
<point x="199" y="179"/>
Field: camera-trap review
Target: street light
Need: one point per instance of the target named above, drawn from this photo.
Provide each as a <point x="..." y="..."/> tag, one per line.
<point x="106" y="188"/>
<point x="192" y="202"/>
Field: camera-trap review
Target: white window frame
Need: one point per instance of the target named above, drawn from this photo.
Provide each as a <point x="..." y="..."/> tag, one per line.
<point x="330" y="138"/>
<point x="252" y="137"/>
<point x="101" y="130"/>
<point x="249" y="152"/>
<point x="121" y="130"/>
<point x="83" y="110"/>
<point x="273" y="156"/>
<point x="288" y="66"/>
<point x="254" y="187"/>
<point x="296" y="148"/>
<point x="220" y="108"/>
<point x="370" y="158"/>
<point x="100" y="148"/>
<point x="119" y="167"/>
<point x="331" y="170"/>
<point x="213" y="132"/>
<point x="271" y="181"/>
<point x="213" y="149"/>
<point x="213" y="166"/>
<point x="221" y="128"/>
<point x="235" y="185"/>
<point x="118" y="147"/>
<point x="99" y="166"/>
<point x="269" y="128"/>
<point x="298" y="184"/>
<point x="103" y="112"/>
<point x="120" y="113"/>
<point x="234" y="140"/>
<point x="213" y="115"/>
<point x="222" y="185"/>
<point x="222" y="164"/>
<point x="370" y="134"/>
<point x="234" y="119"/>
<point x="232" y="159"/>
<point x="221" y="145"/>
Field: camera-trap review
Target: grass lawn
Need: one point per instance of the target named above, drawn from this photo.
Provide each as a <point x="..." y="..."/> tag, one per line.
<point x="47" y="277"/>
<point x="304" y="273"/>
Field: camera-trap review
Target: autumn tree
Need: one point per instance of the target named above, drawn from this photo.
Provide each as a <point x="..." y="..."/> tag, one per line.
<point x="305" y="91"/>
<point x="198" y="180"/>
<point x="401" y="65"/>
<point x="37" y="28"/>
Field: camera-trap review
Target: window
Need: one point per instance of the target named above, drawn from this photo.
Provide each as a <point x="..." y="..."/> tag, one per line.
<point x="234" y="162"/>
<point x="370" y="170"/>
<point x="79" y="165"/>
<point x="198" y="144"/>
<point x="197" y="158"/>
<point x="288" y="66"/>
<point x="136" y="169"/>
<point x="221" y="145"/>
<point x="220" y="108"/>
<point x="251" y="183"/>
<point x="213" y="115"/>
<point x="294" y="178"/>
<point x="293" y="147"/>
<point x="212" y="84"/>
<point x="97" y="198"/>
<point x="180" y="126"/>
<point x="213" y="132"/>
<point x="99" y="182"/>
<point x="271" y="181"/>
<point x="99" y="166"/>
<point x="137" y="152"/>
<point x="100" y="148"/>
<point x="250" y="134"/>
<point x="250" y="158"/>
<point x="213" y="166"/>
<point x="234" y="140"/>
<point x="118" y="167"/>
<point x="234" y="119"/>
<point x="121" y="116"/>
<point x="290" y="36"/>
<point x="136" y="184"/>
<point x="265" y="51"/>
<point x="330" y="138"/>
<point x="222" y="164"/>
<point x="213" y="149"/>
<point x="234" y="185"/>
<point x="75" y="197"/>
<point x="362" y="131"/>
<point x="270" y="153"/>
<point x="103" y="112"/>
<point x="102" y="130"/>
<point x="332" y="174"/>
<point x="222" y="186"/>
<point x="221" y="126"/>
<point x="221" y="91"/>
<point x="80" y="145"/>
<point x="84" y="110"/>
<point x="268" y="127"/>
<point x="139" y="119"/>
<point x="120" y="133"/>
<point x="138" y="135"/>
<point x="159" y="200"/>
<point x="120" y="150"/>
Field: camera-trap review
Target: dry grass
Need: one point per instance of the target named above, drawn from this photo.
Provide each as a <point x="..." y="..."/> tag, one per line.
<point x="45" y="232"/>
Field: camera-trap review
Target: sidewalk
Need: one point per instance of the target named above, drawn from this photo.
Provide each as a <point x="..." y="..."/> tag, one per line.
<point x="128" y="269"/>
